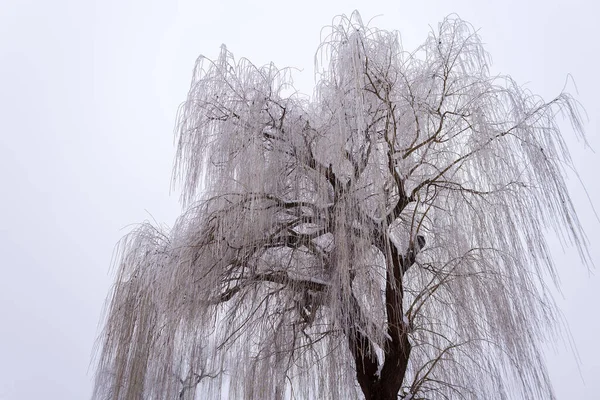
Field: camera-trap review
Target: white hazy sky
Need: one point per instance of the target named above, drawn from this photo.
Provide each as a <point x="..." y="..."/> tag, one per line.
<point x="88" y="96"/>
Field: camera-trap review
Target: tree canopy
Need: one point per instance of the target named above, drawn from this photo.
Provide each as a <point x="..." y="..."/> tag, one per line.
<point x="382" y="238"/>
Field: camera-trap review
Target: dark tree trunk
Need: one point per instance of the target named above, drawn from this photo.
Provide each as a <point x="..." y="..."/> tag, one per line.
<point x="386" y="384"/>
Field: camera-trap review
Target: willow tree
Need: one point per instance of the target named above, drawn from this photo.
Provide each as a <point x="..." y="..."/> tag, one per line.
<point x="384" y="238"/>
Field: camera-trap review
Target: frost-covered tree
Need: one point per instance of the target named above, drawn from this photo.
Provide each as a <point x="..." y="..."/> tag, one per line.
<point x="384" y="238"/>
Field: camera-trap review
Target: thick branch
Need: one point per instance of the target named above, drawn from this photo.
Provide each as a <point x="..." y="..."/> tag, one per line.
<point x="280" y="277"/>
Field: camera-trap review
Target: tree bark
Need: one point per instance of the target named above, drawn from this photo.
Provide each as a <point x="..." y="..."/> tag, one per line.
<point x="386" y="384"/>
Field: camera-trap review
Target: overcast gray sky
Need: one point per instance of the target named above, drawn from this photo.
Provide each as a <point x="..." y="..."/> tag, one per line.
<point x="88" y="97"/>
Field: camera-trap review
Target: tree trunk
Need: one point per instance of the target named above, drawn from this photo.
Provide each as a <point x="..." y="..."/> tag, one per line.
<point x="386" y="384"/>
